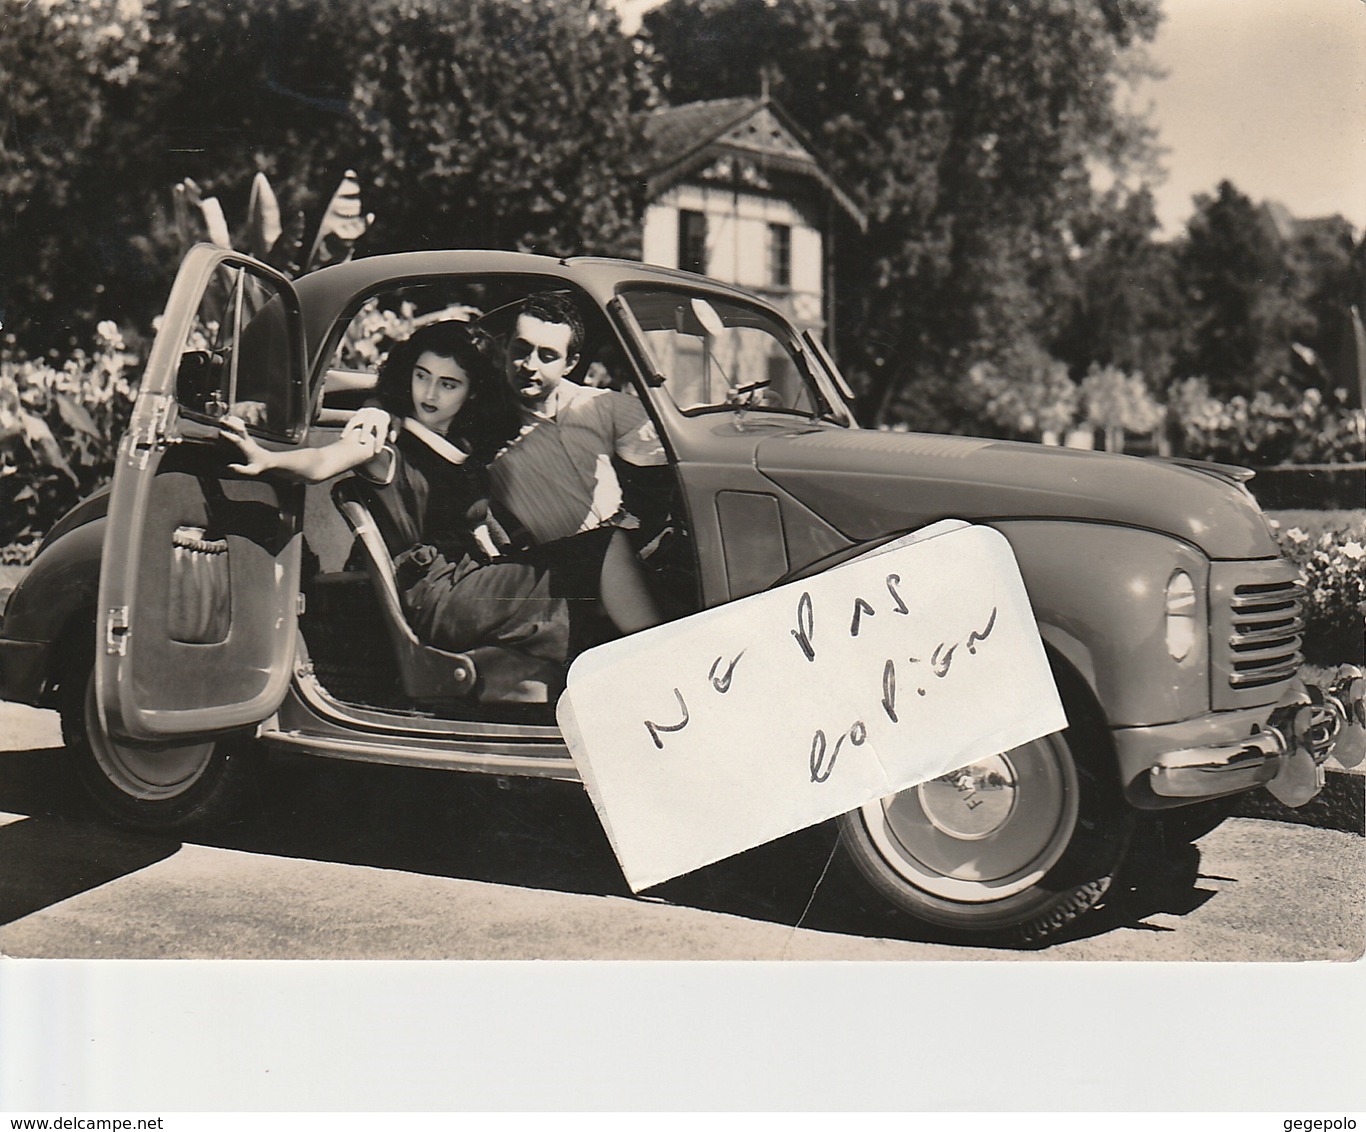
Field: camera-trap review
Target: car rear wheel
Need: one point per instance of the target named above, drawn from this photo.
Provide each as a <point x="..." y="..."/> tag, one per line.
<point x="1007" y="850"/>
<point x="154" y="787"/>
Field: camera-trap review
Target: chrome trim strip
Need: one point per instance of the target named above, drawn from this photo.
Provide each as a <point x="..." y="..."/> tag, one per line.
<point x="1278" y="599"/>
<point x="493" y="761"/>
<point x="1264" y="659"/>
<point x="1283" y="645"/>
<point x="1268" y="674"/>
<point x="1290" y="630"/>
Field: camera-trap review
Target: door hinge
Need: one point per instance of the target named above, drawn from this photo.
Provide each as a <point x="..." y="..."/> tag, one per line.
<point x="151" y="415"/>
<point x="300" y="604"/>
<point x="116" y="632"/>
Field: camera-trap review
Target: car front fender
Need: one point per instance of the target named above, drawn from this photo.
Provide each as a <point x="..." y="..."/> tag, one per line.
<point x="1098" y="593"/>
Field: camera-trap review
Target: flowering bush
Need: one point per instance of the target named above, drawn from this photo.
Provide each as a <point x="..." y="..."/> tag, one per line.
<point x="1118" y="400"/>
<point x="1265" y="430"/>
<point x="1332" y="563"/>
<point x="1033" y="398"/>
<point x="59" y="431"/>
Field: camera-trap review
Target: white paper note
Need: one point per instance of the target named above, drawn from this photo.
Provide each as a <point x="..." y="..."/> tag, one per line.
<point x="718" y="732"/>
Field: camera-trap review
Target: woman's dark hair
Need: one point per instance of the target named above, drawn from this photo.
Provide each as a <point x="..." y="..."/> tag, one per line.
<point x="488" y="419"/>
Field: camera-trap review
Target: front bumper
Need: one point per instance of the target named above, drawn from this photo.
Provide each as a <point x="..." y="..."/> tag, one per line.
<point x="1286" y="753"/>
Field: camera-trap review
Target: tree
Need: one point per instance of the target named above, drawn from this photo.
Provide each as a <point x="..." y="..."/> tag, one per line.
<point x="1233" y="276"/>
<point x="1320" y="279"/>
<point x="967" y="128"/>
<point x="115" y="102"/>
<point x="60" y="75"/>
<point x="469" y="122"/>
<point x="1125" y="309"/>
<point x="1119" y="402"/>
<point x="503" y="124"/>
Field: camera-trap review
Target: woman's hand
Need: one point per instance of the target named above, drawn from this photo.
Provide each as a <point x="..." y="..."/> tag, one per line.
<point x="255" y="458"/>
<point x="312" y="465"/>
<point x="371" y="424"/>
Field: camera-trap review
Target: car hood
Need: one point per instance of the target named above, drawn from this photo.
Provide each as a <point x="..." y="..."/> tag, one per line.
<point x="867" y="484"/>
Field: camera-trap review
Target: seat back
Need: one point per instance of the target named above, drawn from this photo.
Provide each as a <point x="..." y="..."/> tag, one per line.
<point x="428" y="674"/>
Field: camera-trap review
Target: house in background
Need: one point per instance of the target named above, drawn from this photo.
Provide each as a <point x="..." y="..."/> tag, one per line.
<point x="735" y="192"/>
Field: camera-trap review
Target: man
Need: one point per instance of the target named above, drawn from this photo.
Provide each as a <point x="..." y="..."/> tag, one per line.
<point x="556" y="478"/>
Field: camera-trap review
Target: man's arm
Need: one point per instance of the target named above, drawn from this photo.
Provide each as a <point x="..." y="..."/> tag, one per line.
<point x="636" y="438"/>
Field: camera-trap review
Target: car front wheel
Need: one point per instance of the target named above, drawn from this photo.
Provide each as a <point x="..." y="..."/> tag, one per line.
<point x="164" y="788"/>
<point x="1007" y="850"/>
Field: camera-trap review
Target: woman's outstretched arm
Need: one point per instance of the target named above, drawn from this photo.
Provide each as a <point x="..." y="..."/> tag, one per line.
<point x="362" y="440"/>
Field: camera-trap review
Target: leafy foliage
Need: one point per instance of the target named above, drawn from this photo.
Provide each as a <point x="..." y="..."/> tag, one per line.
<point x="67" y="69"/>
<point x="489" y="123"/>
<point x="58" y="432"/>
<point x="1121" y="294"/>
<point x="968" y="128"/>
<point x="264" y="236"/>
<point x="1118" y="400"/>
<point x="1232" y="270"/>
<point x="1028" y="396"/>
<point x="1332" y="562"/>
<point x="486" y="123"/>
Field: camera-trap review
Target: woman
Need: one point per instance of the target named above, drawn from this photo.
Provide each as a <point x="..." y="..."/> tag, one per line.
<point x="444" y="413"/>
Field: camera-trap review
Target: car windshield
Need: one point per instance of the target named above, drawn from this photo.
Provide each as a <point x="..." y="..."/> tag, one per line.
<point x="716" y="354"/>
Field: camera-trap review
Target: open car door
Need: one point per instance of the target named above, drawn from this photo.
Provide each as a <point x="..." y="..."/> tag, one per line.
<point x="199" y="579"/>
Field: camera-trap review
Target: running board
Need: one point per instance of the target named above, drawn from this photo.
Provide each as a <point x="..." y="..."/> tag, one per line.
<point x="559" y="766"/>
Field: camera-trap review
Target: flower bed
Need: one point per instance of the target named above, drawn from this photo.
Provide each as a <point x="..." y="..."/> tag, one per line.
<point x="1330" y="549"/>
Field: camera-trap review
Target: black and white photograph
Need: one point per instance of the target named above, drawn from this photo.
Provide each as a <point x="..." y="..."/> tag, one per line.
<point x="822" y="486"/>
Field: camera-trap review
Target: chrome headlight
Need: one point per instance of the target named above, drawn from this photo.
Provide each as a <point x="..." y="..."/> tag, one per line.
<point x="1180" y="615"/>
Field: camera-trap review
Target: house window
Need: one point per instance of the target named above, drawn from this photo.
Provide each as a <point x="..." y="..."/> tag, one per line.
<point x="692" y="241"/>
<point x="780" y="255"/>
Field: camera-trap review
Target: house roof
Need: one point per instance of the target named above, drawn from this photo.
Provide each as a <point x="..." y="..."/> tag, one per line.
<point x="684" y="139"/>
<point x="1289" y="227"/>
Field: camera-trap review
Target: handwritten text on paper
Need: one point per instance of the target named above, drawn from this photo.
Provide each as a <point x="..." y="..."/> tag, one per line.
<point x="723" y="730"/>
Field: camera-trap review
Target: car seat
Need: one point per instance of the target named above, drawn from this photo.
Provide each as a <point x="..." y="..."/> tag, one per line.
<point x="431" y="676"/>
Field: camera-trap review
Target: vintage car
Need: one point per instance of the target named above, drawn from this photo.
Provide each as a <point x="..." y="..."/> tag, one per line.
<point x="189" y="615"/>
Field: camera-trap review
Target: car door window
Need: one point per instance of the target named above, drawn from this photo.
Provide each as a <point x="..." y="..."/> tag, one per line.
<point x="716" y="354"/>
<point x="236" y="357"/>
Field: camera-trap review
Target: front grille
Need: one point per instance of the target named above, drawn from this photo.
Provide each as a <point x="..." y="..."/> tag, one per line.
<point x="1264" y="644"/>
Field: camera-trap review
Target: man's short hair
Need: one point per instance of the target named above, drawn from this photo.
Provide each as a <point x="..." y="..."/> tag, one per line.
<point x="557" y="307"/>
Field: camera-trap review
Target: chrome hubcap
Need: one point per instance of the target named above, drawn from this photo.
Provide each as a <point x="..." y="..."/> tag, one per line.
<point x="984" y="832"/>
<point x="971" y="803"/>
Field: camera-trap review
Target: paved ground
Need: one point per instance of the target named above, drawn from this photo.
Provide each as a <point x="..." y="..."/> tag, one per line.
<point x="349" y="861"/>
<point x="352" y="862"/>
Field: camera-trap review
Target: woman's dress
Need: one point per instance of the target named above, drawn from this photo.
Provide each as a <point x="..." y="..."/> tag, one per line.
<point x="428" y="501"/>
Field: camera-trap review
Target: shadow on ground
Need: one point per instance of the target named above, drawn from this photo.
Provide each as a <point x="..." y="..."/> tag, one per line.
<point x="58" y="852"/>
<point x="519" y="832"/>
